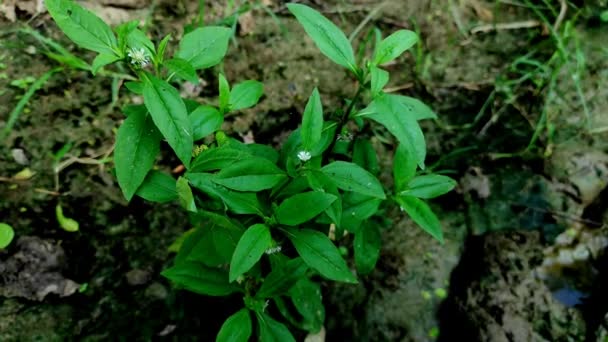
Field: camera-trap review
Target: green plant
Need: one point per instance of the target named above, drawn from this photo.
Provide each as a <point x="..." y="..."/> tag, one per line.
<point x="262" y="217"/>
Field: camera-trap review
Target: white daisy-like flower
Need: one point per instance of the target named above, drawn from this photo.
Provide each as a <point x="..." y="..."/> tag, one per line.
<point x="273" y="250"/>
<point x="138" y="56"/>
<point x="304" y="156"/>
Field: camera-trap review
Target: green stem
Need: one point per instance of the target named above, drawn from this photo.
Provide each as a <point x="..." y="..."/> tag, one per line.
<point x="345" y="117"/>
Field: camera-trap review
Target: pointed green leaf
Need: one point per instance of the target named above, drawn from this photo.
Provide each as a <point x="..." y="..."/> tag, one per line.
<point x="102" y="60"/>
<point x="328" y="37"/>
<point x="158" y="187"/>
<point x="282" y="278"/>
<point x="379" y="80"/>
<point x="205" y="46"/>
<point x="271" y="330"/>
<point x="352" y="177"/>
<point x="252" y="174"/>
<point x="389" y="111"/>
<point x="365" y="156"/>
<point x="367" y="247"/>
<point x="224" y="94"/>
<point x="200" y="279"/>
<point x="303" y="207"/>
<point x="245" y="95"/>
<point x="137" y="145"/>
<point x="308" y="301"/>
<point x="429" y="186"/>
<point x="318" y="252"/>
<point x="404" y="166"/>
<point x="421" y="213"/>
<point x="417" y="108"/>
<point x="184" y="193"/>
<point x="394" y="45"/>
<point x="238" y="202"/>
<point x="219" y="237"/>
<point x="205" y="120"/>
<point x="218" y="158"/>
<point x="252" y="245"/>
<point x="82" y="27"/>
<point x="237" y="328"/>
<point x="182" y="69"/>
<point x="312" y="122"/>
<point x="162" y="47"/>
<point x="170" y="116"/>
<point x="137" y="39"/>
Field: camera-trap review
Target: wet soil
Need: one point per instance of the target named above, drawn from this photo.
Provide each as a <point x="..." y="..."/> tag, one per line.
<point x="113" y="262"/>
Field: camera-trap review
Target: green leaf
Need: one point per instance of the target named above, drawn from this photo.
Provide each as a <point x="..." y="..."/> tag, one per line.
<point x="429" y="186"/>
<point x="136" y="88"/>
<point x="66" y="223"/>
<point x="137" y="145"/>
<point x="102" y="60"/>
<point x="417" y="108"/>
<point x="328" y="37"/>
<point x="312" y="122"/>
<point x="252" y="245"/>
<point x="379" y="80"/>
<point x="303" y="207"/>
<point x="184" y="193"/>
<point x="404" y="166"/>
<point x="122" y="31"/>
<point x="360" y="207"/>
<point x="158" y="187"/>
<point x="238" y="202"/>
<point x="82" y="27"/>
<point x="365" y="156"/>
<point x="218" y="240"/>
<point x="137" y="39"/>
<point x="271" y="330"/>
<point x="394" y="45"/>
<point x="318" y="181"/>
<point x="252" y="174"/>
<point x="6" y="235"/>
<point x="205" y="46"/>
<point x="245" y="94"/>
<point x="205" y="120"/>
<point x="306" y="297"/>
<point x="169" y="114"/>
<point x="281" y="279"/>
<point x="162" y="46"/>
<point x="421" y="213"/>
<point x="217" y="158"/>
<point x="224" y="94"/>
<point x="200" y="279"/>
<point x="182" y="69"/>
<point x="388" y="110"/>
<point x="264" y="151"/>
<point x="352" y="177"/>
<point x="368" y="241"/>
<point x="237" y="328"/>
<point x="320" y="254"/>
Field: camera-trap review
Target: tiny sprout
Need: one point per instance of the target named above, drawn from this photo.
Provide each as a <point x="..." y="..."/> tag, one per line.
<point x="304" y="156"/>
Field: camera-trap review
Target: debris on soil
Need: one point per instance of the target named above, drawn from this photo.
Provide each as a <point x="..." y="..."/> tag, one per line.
<point x="34" y="271"/>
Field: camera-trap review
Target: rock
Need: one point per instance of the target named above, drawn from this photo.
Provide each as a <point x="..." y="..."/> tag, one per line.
<point x="34" y="271"/>
<point x="496" y="296"/>
<point x="138" y="277"/>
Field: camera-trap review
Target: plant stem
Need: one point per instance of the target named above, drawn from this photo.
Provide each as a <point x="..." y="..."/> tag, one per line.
<point x="344" y="118"/>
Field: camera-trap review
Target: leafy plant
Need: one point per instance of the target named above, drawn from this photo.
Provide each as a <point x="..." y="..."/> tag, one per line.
<point x="263" y="218"/>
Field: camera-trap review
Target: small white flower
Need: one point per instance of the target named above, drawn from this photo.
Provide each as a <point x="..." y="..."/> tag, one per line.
<point x="304" y="156"/>
<point x="138" y="56"/>
<point x="273" y="250"/>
